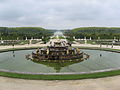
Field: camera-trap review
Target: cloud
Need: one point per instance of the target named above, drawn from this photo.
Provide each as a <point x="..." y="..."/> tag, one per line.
<point x="59" y="14"/>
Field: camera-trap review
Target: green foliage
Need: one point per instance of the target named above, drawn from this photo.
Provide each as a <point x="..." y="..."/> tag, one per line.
<point x="97" y="30"/>
<point x="46" y="39"/>
<point x="94" y="32"/>
<point x="23" y="42"/>
<point x="70" y="39"/>
<point x="23" y="32"/>
<point x="58" y="37"/>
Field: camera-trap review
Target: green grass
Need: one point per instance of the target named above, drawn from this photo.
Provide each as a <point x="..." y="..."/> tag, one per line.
<point x="60" y="77"/>
<point x="60" y="37"/>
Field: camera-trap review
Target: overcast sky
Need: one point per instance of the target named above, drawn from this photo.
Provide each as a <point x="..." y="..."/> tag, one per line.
<point x="60" y="14"/>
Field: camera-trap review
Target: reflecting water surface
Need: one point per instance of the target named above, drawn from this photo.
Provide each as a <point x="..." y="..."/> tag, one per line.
<point x="99" y="60"/>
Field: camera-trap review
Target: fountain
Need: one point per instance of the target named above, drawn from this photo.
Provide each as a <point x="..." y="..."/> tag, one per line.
<point x="59" y="51"/>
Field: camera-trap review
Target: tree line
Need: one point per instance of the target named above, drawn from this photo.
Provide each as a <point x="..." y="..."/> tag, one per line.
<point x="12" y="33"/>
<point x="94" y="32"/>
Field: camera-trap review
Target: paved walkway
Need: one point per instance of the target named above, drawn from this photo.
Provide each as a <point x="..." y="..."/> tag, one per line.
<point x="42" y="45"/>
<point x="23" y="46"/>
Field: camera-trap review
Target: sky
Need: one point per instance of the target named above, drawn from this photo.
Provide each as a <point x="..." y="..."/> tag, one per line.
<point x="60" y="14"/>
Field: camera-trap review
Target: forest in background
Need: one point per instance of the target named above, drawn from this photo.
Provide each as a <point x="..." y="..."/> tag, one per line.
<point x="12" y="33"/>
<point x="94" y="32"/>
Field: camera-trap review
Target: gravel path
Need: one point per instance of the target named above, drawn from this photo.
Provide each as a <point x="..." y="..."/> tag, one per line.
<point x="109" y="83"/>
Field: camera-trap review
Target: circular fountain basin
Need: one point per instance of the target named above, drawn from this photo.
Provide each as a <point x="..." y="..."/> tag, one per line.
<point x="15" y="61"/>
